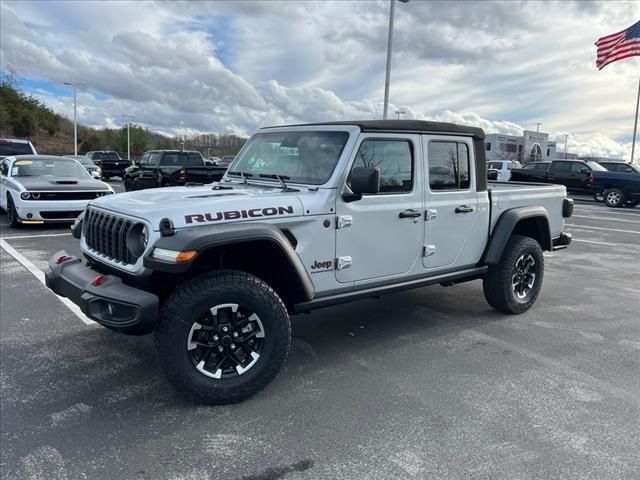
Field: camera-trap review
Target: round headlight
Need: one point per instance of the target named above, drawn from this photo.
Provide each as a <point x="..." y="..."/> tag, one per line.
<point x="35" y="195"/>
<point x="25" y="195"/>
<point x="137" y="239"/>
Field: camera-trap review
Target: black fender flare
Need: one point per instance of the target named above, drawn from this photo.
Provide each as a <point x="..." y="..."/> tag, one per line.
<point x="203" y="238"/>
<point x="507" y="223"/>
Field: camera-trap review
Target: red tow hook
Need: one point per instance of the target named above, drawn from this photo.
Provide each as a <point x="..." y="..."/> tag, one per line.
<point x="98" y="280"/>
<point x="62" y="258"/>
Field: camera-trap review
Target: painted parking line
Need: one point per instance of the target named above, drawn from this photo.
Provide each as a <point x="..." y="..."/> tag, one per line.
<point x="597" y="243"/>
<point x="605" y="218"/>
<point x="586" y="227"/>
<point x="17" y="237"/>
<point x="39" y="274"/>
<point x="605" y="210"/>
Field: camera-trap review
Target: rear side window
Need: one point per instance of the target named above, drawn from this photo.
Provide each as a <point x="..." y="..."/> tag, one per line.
<point x="448" y="166"/>
<point x="174" y="159"/>
<point x="394" y="159"/>
<point x="195" y="160"/>
<point x="562" y="167"/>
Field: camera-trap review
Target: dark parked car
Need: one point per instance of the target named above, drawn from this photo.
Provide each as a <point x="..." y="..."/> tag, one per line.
<point x="166" y="168"/>
<point x="613" y="166"/>
<point x="573" y="174"/>
<point x="110" y="163"/>
<point x="617" y="189"/>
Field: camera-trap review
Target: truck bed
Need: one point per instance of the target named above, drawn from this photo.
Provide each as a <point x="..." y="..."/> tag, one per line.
<point x="506" y="195"/>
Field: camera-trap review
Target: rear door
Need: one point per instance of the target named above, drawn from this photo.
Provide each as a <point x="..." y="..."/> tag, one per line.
<point x="457" y="216"/>
<point x="560" y="173"/>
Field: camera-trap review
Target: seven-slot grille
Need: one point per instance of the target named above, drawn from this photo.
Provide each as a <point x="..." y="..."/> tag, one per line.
<point x="107" y="234"/>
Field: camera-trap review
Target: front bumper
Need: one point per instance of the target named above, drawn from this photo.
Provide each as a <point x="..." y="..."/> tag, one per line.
<point x="561" y="242"/>
<point x="32" y="211"/>
<point x="108" y="301"/>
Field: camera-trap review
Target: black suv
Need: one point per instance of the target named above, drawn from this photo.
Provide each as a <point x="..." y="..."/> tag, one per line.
<point x="110" y="163"/>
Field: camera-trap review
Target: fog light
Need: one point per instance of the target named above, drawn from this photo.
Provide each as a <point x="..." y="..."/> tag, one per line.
<point x="29" y="215"/>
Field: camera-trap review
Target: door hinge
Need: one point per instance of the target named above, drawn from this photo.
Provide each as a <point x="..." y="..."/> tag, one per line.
<point x="430" y="214"/>
<point x="428" y="250"/>
<point x="343" y="263"/>
<point x="344" y="221"/>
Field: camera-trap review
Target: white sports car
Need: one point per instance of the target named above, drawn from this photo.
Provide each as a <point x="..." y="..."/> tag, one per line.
<point x="35" y="189"/>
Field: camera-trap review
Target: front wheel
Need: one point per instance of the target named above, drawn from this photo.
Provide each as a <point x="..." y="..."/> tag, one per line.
<point x="614" y="197"/>
<point x="513" y="285"/>
<point x="222" y="337"/>
<point x="12" y="214"/>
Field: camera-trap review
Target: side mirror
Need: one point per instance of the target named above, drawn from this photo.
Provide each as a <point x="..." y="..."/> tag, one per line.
<point x="95" y="174"/>
<point x="363" y="180"/>
<point x="584" y="170"/>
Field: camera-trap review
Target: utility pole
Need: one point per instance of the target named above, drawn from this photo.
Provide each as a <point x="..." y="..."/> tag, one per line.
<point x="387" y="80"/>
<point x="566" y="137"/>
<point x="75" y="120"/>
<point x="128" y="135"/>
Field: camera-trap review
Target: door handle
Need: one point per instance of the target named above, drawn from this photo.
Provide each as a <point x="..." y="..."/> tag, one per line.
<point x="410" y="214"/>
<point x="464" y="209"/>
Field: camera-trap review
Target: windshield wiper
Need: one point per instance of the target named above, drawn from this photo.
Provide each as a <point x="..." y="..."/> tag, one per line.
<point x="281" y="179"/>
<point x="244" y="175"/>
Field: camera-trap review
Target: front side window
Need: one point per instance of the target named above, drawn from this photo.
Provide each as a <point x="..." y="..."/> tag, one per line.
<point x="4" y="168"/>
<point x="299" y="157"/>
<point x="394" y="159"/>
<point x="578" y="167"/>
<point x="154" y="159"/>
<point x="448" y="165"/>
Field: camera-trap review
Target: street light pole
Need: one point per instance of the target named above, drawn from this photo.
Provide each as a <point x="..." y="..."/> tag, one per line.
<point x="128" y="136"/>
<point x="387" y="80"/>
<point x="75" y="122"/>
<point x="566" y="137"/>
<point x="400" y="112"/>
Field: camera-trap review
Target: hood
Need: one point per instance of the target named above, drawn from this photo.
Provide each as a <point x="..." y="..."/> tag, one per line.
<point x="204" y="205"/>
<point x="49" y="184"/>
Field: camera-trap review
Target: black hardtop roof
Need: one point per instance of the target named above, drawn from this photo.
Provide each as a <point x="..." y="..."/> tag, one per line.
<point x="404" y="126"/>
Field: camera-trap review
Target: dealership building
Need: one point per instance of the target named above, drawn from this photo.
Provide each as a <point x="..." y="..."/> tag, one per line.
<point x="530" y="147"/>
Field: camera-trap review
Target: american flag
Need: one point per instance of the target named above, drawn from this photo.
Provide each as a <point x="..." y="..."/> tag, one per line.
<point x="619" y="45"/>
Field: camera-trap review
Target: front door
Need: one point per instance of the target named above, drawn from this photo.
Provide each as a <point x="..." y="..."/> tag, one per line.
<point x="380" y="235"/>
<point x="148" y="174"/>
<point x="456" y="226"/>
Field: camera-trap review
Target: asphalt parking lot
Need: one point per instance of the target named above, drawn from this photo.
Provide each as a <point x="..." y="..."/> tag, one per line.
<point x="426" y="384"/>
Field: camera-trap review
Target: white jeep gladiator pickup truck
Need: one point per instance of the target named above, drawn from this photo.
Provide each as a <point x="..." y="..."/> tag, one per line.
<point x="307" y="216"/>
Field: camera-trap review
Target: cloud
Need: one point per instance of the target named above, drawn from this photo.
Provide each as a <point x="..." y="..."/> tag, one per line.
<point x="236" y="66"/>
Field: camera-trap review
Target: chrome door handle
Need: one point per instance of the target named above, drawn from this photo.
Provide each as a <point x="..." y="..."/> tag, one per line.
<point x="464" y="209"/>
<point x="410" y="214"/>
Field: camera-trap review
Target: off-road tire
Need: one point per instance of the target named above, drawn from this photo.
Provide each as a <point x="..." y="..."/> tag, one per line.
<point x="614" y="197"/>
<point x="12" y="214"/>
<point x="498" y="283"/>
<point x="189" y="303"/>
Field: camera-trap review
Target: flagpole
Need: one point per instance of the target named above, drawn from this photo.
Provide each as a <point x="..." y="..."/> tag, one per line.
<point x="635" y="123"/>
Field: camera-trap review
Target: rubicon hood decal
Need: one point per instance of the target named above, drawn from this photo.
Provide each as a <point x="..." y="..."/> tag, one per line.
<point x="237" y="214"/>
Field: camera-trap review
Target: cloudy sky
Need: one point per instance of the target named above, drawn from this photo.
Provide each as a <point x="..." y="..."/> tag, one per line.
<point x="231" y="67"/>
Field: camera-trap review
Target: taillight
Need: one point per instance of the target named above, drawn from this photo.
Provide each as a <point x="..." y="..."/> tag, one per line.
<point x="183" y="175"/>
<point x="590" y="179"/>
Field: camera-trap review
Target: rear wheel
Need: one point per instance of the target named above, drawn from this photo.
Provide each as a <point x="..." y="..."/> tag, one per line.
<point x="513" y="285"/>
<point x="222" y="337"/>
<point x="614" y="197"/>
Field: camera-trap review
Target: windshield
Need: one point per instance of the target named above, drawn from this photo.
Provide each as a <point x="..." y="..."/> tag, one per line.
<point x="48" y="168"/>
<point x="299" y="157"/>
<point x="596" y="167"/>
<point x="14" y="148"/>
